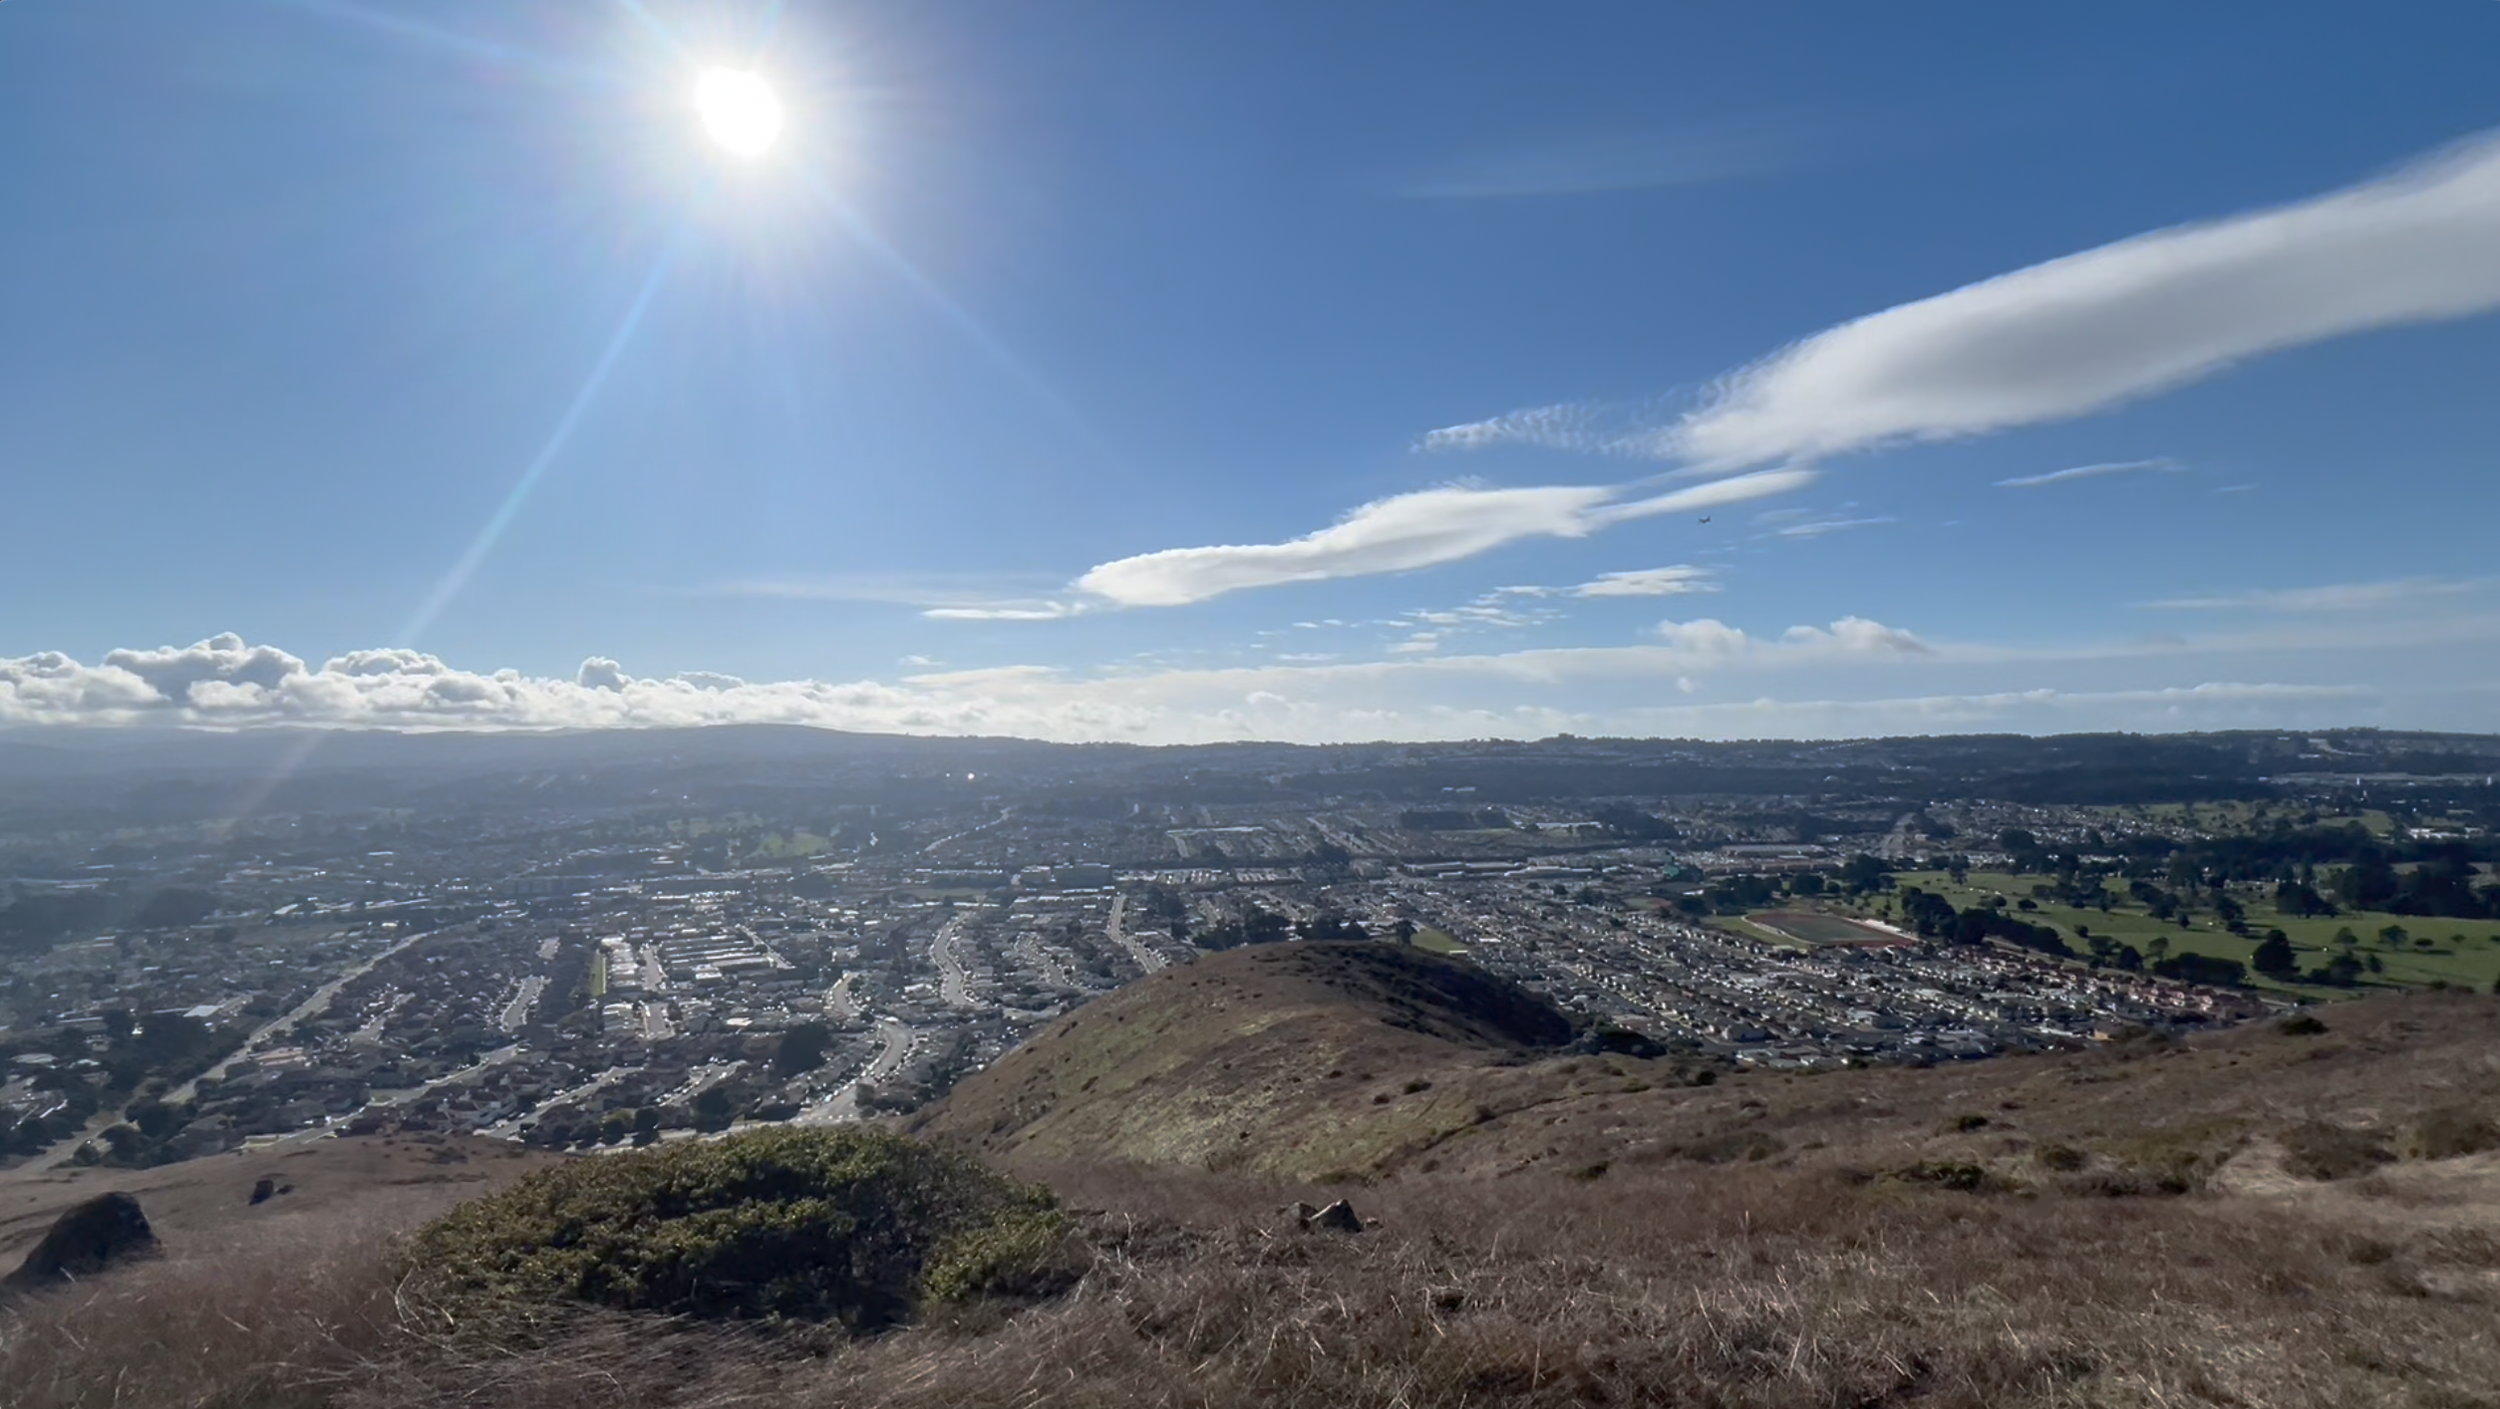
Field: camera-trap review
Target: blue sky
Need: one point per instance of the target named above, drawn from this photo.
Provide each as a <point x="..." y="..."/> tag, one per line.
<point x="1120" y="370"/>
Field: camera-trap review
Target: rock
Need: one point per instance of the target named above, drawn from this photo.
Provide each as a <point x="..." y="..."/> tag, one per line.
<point x="264" y="1188"/>
<point x="1338" y="1217"/>
<point x="104" y="1230"/>
<point x="1302" y="1214"/>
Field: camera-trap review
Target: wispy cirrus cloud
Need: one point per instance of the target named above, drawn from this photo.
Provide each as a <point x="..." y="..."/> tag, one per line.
<point x="1817" y="528"/>
<point x="2333" y="597"/>
<point x="1410" y="531"/>
<point x="1033" y="610"/>
<point x="2157" y="466"/>
<point x="1673" y="581"/>
<point x="2083" y="332"/>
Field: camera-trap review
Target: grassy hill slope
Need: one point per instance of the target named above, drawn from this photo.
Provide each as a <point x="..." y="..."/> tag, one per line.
<point x="1293" y="1059"/>
<point x="2293" y="1214"/>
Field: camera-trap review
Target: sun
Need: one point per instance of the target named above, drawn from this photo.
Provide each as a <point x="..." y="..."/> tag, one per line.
<point x="739" y="109"/>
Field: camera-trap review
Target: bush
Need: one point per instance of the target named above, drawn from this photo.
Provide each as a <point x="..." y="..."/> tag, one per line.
<point x="848" y="1226"/>
<point x="2319" y="1149"/>
<point x="2450" y="1131"/>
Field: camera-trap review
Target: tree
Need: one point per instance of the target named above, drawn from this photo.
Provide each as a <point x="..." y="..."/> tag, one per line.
<point x="2274" y="957"/>
<point x="1863" y="874"/>
<point x="802" y="1049"/>
<point x="2159" y="949"/>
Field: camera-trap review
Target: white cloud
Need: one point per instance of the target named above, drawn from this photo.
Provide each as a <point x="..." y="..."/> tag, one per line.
<point x="1568" y="426"/>
<point x="600" y="673"/>
<point x="2125" y="320"/>
<point x="1410" y="531"/>
<point x="1678" y="580"/>
<point x="2113" y="467"/>
<point x="1807" y="681"/>
<point x="1816" y="528"/>
<point x="1045" y="610"/>
<point x="1706" y="637"/>
<point x="1858" y="635"/>
<point x="2334" y="597"/>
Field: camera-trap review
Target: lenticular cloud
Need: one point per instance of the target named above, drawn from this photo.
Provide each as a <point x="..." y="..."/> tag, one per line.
<point x="2125" y="320"/>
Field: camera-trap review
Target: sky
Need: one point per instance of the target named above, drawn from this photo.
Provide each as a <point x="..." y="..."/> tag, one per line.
<point x="1171" y="373"/>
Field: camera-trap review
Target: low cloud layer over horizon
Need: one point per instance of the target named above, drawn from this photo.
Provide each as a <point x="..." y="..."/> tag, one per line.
<point x="1698" y="678"/>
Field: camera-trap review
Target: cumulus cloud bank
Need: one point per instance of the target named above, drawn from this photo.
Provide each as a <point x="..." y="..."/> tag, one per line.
<point x="1409" y="531"/>
<point x="1723" y="677"/>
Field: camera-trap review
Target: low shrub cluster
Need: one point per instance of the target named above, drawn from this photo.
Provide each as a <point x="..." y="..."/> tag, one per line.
<point x="847" y="1226"/>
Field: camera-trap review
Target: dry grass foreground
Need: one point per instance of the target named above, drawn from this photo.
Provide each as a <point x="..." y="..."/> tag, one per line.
<point x="2337" y="1243"/>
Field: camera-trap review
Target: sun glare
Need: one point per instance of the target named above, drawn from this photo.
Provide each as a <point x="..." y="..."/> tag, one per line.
<point x="739" y="109"/>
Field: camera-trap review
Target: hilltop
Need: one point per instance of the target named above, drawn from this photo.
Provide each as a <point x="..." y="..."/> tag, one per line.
<point x="1287" y="1059"/>
<point x="1349" y="1064"/>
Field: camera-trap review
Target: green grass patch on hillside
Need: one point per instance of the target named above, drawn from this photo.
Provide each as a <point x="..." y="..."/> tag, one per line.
<point x="850" y="1226"/>
<point x="1438" y="941"/>
<point x="2462" y="952"/>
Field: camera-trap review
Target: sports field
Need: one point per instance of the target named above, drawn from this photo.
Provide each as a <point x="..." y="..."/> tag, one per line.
<point x="1815" y="927"/>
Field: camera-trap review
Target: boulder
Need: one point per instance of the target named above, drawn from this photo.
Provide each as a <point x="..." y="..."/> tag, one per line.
<point x="104" y="1230"/>
<point x="1338" y="1217"/>
<point x="263" y="1189"/>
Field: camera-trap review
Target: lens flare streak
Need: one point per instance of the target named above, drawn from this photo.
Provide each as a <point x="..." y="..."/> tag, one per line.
<point x="487" y="536"/>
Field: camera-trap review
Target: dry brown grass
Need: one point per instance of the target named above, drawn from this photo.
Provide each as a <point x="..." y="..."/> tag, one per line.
<point x="1683" y="1285"/>
<point x="2138" y="1231"/>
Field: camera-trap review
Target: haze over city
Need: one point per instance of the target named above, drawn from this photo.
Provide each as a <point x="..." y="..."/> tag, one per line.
<point x="1155" y="374"/>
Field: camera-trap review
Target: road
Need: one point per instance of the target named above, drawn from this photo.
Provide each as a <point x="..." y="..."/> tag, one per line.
<point x="843" y="1105"/>
<point x="1000" y="820"/>
<point x="841" y="1004"/>
<point x="319" y="1001"/>
<point x="517" y="1011"/>
<point x="1146" y="958"/>
<point x="510" y="1127"/>
<point x="954" y="984"/>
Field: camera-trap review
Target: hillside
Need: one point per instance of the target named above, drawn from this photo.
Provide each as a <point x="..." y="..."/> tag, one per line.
<point x="2291" y="1213"/>
<point x="1349" y="1064"/>
<point x="1290" y="1059"/>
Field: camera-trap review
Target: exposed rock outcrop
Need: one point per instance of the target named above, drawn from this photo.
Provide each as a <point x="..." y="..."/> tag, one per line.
<point x="105" y="1230"/>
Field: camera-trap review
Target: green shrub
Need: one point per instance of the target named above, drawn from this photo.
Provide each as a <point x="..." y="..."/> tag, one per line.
<point x="848" y="1226"/>
<point x="2319" y="1149"/>
<point x="2065" y="1159"/>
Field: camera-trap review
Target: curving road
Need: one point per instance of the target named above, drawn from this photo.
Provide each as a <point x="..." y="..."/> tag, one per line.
<point x="1146" y="958"/>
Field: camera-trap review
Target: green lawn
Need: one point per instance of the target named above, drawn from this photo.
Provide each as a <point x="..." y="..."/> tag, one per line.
<point x="2474" y="962"/>
<point x="1438" y="941"/>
